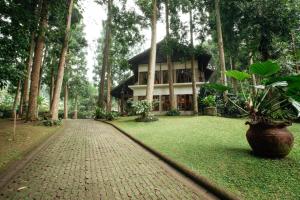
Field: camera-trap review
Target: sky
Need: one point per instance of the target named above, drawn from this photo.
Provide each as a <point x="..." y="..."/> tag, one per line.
<point x="93" y="15"/>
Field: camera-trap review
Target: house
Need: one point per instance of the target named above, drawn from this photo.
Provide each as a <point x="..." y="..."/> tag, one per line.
<point x="135" y="87"/>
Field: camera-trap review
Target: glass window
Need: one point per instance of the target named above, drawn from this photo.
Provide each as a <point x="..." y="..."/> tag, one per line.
<point x="184" y="102"/>
<point x="140" y="98"/>
<point x="166" y="105"/>
<point x="157" y="77"/>
<point x="165" y="76"/>
<point x="183" y="75"/>
<point x="143" y="79"/>
<point x="156" y="103"/>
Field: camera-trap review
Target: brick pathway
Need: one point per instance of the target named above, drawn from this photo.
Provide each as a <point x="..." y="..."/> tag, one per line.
<point x="92" y="160"/>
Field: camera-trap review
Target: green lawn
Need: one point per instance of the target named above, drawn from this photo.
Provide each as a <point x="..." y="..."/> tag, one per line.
<point x="217" y="149"/>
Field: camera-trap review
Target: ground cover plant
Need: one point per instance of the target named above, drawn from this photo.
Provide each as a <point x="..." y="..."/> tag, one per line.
<point x="222" y="154"/>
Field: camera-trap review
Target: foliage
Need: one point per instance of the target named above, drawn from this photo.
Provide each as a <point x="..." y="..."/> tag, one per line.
<point x="110" y="116"/>
<point x="277" y="99"/>
<point x="103" y="115"/>
<point x="173" y="112"/>
<point x="50" y="122"/>
<point x="143" y="108"/>
<point x="209" y="101"/>
<point x="100" y="113"/>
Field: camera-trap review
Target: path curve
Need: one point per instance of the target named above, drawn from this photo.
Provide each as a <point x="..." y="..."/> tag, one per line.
<point x="92" y="160"/>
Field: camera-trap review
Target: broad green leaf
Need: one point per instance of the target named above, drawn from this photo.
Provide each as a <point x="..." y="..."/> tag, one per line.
<point x="296" y="104"/>
<point x="264" y="69"/>
<point x="238" y="75"/>
<point x="217" y="87"/>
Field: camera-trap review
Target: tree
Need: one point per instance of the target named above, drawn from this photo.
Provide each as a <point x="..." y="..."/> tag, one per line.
<point x="220" y="43"/>
<point x="169" y="58"/>
<point x="38" y="55"/>
<point x="106" y="56"/>
<point x="152" y="60"/>
<point x="60" y="74"/>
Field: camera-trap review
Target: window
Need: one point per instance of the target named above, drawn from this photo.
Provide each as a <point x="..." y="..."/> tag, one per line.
<point x="165" y="100"/>
<point x="140" y="98"/>
<point x="156" y="103"/>
<point x="183" y="75"/>
<point x="184" y="102"/>
<point x="157" y="77"/>
<point x="143" y="79"/>
<point x="165" y="76"/>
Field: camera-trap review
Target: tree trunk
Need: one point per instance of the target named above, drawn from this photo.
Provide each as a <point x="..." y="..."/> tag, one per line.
<point x="25" y="91"/>
<point x="38" y="55"/>
<point x="51" y="87"/>
<point x="61" y="65"/>
<point x="21" y="102"/>
<point x="66" y="94"/>
<point x="194" y="81"/>
<point x="220" y="43"/>
<point x="75" y="116"/>
<point x="106" y="57"/>
<point x="169" y="61"/>
<point x="152" y="60"/>
<point x="17" y="96"/>
<point x="108" y="95"/>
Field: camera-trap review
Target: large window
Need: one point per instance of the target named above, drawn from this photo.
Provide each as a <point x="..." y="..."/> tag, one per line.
<point x="157" y="77"/>
<point x="183" y="75"/>
<point x="156" y="103"/>
<point x="165" y="76"/>
<point x="184" y="102"/>
<point x="140" y="98"/>
<point x="143" y="79"/>
<point x="165" y="100"/>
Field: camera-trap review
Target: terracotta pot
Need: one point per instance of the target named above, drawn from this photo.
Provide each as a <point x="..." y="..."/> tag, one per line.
<point x="211" y="111"/>
<point x="271" y="141"/>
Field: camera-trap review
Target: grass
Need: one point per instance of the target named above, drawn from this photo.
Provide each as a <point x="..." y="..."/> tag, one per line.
<point x="28" y="135"/>
<point x="217" y="149"/>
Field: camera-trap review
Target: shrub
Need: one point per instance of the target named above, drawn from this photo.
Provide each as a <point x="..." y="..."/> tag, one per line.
<point x="52" y="122"/>
<point x="143" y="108"/>
<point x="209" y="101"/>
<point x="173" y="112"/>
<point x="100" y="113"/>
<point x="149" y="118"/>
<point x="110" y="116"/>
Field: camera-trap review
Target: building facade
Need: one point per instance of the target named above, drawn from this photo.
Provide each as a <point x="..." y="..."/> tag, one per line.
<point x="135" y="87"/>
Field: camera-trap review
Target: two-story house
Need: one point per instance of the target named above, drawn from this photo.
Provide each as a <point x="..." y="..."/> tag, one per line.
<point x="135" y="87"/>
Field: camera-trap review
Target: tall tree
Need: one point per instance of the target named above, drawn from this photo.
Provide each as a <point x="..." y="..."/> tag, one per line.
<point x="38" y="56"/>
<point x="106" y="57"/>
<point x="169" y="58"/>
<point x="61" y="66"/>
<point x="152" y="60"/>
<point x="193" y="67"/>
<point x="220" y="43"/>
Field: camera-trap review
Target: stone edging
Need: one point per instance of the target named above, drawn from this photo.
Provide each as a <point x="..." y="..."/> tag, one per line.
<point x="15" y="166"/>
<point x="199" y="180"/>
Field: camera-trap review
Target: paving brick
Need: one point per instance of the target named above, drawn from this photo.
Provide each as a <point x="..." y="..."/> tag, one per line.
<point x="92" y="160"/>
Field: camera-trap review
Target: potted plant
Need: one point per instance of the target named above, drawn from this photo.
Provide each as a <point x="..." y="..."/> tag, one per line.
<point x="210" y="105"/>
<point x="271" y="108"/>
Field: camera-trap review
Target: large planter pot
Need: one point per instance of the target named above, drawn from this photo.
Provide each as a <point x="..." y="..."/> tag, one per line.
<point x="211" y="111"/>
<point x="271" y="141"/>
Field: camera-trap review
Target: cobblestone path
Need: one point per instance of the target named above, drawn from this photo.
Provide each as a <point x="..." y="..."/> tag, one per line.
<point x="92" y="160"/>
